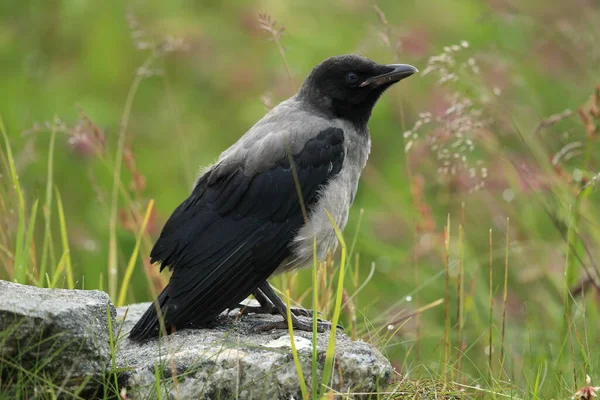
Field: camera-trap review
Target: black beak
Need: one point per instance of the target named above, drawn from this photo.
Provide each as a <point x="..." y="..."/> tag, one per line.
<point x="393" y="73"/>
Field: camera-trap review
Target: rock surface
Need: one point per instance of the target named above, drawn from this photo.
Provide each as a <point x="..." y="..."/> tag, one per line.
<point x="231" y="361"/>
<point x="65" y="333"/>
<point x="63" y="336"/>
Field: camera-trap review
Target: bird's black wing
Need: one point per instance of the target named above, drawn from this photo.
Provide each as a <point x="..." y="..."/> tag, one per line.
<point x="234" y="230"/>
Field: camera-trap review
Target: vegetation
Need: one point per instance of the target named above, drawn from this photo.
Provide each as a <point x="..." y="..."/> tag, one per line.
<point x="473" y="242"/>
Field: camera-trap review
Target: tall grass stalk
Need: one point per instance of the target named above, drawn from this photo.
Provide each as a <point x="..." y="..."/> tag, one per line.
<point x="157" y="381"/>
<point x="573" y="237"/>
<point x="504" y="300"/>
<point x="447" y="299"/>
<point x="112" y="246"/>
<point x="52" y="282"/>
<point x="572" y="348"/>
<point x="270" y="26"/>
<point x="64" y="240"/>
<point x="583" y="342"/>
<point x="29" y="237"/>
<point x="134" y="256"/>
<point x="21" y="256"/>
<point x="566" y="332"/>
<point x="315" y="321"/>
<point x="330" y="354"/>
<point x="461" y="298"/>
<point x="491" y="302"/>
<point x="47" y="250"/>
<point x="349" y="303"/>
<point x="297" y="363"/>
<point x="112" y="344"/>
<point x="415" y="259"/>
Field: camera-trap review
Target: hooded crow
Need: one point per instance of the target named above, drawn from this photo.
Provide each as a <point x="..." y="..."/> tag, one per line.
<point x="256" y="211"/>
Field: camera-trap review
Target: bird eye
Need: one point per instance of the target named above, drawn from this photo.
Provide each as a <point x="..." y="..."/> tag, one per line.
<point x="351" y="77"/>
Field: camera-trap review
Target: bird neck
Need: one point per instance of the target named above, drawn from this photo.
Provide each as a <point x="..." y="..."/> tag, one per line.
<point x="357" y="113"/>
<point x="318" y="103"/>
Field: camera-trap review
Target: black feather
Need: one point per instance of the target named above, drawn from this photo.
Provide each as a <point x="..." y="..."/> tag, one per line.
<point x="233" y="232"/>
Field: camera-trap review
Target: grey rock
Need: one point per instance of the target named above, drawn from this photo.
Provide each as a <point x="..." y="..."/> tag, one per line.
<point x="60" y="334"/>
<point x="229" y="361"/>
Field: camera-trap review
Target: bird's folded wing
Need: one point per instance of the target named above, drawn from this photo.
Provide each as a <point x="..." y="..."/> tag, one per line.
<point x="233" y="231"/>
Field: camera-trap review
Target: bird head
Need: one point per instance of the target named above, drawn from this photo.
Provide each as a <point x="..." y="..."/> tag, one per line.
<point x="348" y="86"/>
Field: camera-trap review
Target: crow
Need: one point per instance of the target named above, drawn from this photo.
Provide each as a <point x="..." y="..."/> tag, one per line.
<point x="256" y="211"/>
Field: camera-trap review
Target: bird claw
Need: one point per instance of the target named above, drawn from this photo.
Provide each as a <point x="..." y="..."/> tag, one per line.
<point x="299" y="325"/>
<point x="245" y="310"/>
<point x="303" y="312"/>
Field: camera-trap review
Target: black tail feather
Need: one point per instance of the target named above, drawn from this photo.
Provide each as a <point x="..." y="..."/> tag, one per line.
<point x="149" y="324"/>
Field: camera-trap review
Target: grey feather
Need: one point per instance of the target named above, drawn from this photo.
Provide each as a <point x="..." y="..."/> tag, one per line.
<point x="287" y="128"/>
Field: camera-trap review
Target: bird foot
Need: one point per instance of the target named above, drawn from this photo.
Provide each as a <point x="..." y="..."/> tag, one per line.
<point x="245" y="310"/>
<point x="299" y="325"/>
<point x="270" y="303"/>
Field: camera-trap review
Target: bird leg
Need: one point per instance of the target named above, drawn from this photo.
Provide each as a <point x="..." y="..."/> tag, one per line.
<point x="281" y="308"/>
<point x="266" y="307"/>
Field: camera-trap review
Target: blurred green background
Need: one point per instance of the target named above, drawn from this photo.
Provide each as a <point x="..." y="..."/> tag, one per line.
<point x="208" y="70"/>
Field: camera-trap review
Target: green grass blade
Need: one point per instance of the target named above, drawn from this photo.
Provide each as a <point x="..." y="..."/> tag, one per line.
<point x="134" y="255"/>
<point x="59" y="269"/>
<point x="157" y="381"/>
<point x="315" y="300"/>
<point x="65" y="241"/>
<point x="20" y="262"/>
<point x="47" y="208"/>
<point x="116" y="184"/>
<point x="294" y="349"/>
<point x="329" y="355"/>
<point x="29" y="235"/>
<point x="112" y="344"/>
